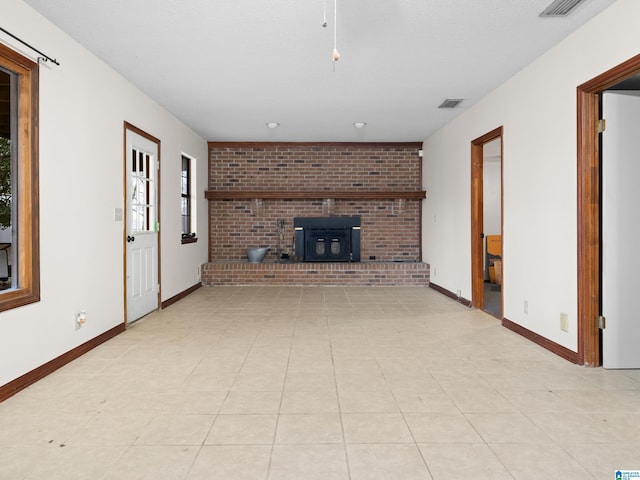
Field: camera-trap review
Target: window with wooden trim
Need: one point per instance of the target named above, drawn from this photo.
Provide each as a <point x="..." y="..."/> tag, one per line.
<point x="19" y="210"/>
<point x="186" y="198"/>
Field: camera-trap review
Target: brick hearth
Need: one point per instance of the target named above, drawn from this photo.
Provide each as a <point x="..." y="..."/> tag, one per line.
<point x="327" y="274"/>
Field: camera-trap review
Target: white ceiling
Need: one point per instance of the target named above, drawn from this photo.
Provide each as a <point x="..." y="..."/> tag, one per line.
<point x="227" y="67"/>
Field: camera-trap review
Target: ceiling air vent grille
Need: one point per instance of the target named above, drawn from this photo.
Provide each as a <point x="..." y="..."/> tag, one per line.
<point x="450" y="103"/>
<point x="560" y="8"/>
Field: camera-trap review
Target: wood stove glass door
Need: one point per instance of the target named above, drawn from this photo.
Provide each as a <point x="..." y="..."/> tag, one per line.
<point x="331" y="245"/>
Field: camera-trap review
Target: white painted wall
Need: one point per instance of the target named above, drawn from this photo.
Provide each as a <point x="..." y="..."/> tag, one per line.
<point x="83" y="104"/>
<point x="537" y="108"/>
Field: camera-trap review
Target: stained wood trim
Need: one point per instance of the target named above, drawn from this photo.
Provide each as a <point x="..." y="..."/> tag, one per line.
<point x="477" y="223"/>
<point x="51" y="366"/>
<point x="447" y="293"/>
<point x="142" y="133"/>
<point x="589" y="199"/>
<point x="542" y="341"/>
<point x="487" y="137"/>
<point x="306" y="195"/>
<point x="588" y="190"/>
<point x="211" y="145"/>
<point x="477" y="215"/>
<point x="614" y="75"/>
<point x="27" y="184"/>
<point x="170" y="301"/>
<point x="421" y="204"/>
<point x="210" y="225"/>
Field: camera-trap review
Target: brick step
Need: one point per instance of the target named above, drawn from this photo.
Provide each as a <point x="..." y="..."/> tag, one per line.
<point x="325" y="274"/>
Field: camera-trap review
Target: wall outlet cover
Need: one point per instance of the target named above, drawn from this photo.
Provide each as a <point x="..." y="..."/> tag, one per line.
<point x="564" y="322"/>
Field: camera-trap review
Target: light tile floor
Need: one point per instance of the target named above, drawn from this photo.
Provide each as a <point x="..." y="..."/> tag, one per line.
<point x="278" y="383"/>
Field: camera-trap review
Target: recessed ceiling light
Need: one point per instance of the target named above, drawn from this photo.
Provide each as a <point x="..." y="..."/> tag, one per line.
<point x="359" y="124"/>
<point x="273" y="124"/>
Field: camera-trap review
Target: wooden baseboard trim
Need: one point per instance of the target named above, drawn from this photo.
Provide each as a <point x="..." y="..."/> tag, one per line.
<point x="447" y="293"/>
<point x="181" y="295"/>
<point x="542" y="341"/>
<point x="29" y="378"/>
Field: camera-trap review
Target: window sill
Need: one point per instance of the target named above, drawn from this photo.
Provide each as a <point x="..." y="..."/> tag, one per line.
<point x="189" y="240"/>
<point x="10" y="299"/>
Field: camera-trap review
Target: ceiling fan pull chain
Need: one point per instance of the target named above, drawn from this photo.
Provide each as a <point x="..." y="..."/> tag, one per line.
<point x="336" y="55"/>
<point x="324" y="15"/>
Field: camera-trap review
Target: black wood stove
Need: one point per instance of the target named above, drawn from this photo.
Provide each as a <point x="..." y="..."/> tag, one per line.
<point x="327" y="239"/>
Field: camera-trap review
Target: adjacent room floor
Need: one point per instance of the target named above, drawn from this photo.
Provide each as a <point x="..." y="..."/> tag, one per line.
<point x="321" y="383"/>
<point x="493" y="299"/>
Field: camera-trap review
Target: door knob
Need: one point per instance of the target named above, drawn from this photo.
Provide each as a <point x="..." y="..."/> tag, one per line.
<point x="131" y="238"/>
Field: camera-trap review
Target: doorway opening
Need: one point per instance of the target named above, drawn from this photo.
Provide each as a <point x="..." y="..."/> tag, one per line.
<point x="590" y="208"/>
<point x="486" y="223"/>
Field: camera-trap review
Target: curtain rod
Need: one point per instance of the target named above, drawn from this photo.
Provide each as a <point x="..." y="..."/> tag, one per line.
<point x="42" y="55"/>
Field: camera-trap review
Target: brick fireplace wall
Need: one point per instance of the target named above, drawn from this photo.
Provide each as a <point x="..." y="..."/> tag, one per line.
<point x="252" y="186"/>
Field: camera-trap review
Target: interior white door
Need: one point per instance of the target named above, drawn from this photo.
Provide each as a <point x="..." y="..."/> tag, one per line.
<point x="620" y="229"/>
<point x="141" y="226"/>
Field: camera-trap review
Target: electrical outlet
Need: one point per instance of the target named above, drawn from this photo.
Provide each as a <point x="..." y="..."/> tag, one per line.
<point x="564" y="322"/>
<point x="81" y="318"/>
<point x="526" y="307"/>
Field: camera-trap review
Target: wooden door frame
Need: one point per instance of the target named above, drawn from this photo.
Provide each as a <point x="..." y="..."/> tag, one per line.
<point x="589" y="204"/>
<point x="477" y="214"/>
<point x="125" y="217"/>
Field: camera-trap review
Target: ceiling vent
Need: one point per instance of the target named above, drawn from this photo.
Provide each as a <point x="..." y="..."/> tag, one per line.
<point x="450" y="103"/>
<point x="560" y="8"/>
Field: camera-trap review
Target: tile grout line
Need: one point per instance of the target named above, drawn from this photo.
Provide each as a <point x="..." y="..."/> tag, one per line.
<point x="335" y="381"/>
<point x="286" y="372"/>
<point x="404" y="419"/>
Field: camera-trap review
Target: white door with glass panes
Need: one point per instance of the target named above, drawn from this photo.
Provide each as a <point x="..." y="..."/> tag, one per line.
<point x="141" y="225"/>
